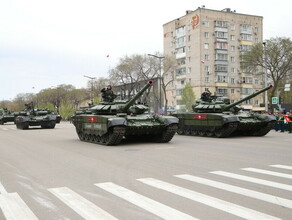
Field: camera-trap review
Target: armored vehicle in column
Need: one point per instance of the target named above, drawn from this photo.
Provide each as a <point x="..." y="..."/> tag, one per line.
<point x="31" y="116"/>
<point x="6" y="116"/>
<point x="109" y="122"/>
<point x="222" y="119"/>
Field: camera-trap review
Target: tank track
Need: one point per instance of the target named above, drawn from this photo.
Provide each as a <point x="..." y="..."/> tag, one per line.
<point x="113" y="137"/>
<point x="263" y="131"/>
<point x="167" y="134"/>
<point x="226" y="130"/>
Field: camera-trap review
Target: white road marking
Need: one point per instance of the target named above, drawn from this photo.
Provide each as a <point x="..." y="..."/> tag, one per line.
<point x="80" y="205"/>
<point x="208" y="200"/>
<point x="141" y="201"/>
<point x="254" y="180"/>
<point x="242" y="191"/>
<point x="2" y="189"/>
<point x="14" y="208"/>
<point x="272" y="173"/>
<point x="282" y="166"/>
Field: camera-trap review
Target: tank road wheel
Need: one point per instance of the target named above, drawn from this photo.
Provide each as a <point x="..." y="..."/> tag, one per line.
<point x="167" y="134"/>
<point x="263" y="131"/>
<point x="209" y="133"/>
<point x="226" y="130"/>
<point x="114" y="136"/>
<point x="201" y="133"/>
<point x="180" y="131"/>
<point x="194" y="132"/>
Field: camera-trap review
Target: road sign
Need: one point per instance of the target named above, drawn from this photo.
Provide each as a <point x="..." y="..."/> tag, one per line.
<point x="274" y="100"/>
<point x="287" y="87"/>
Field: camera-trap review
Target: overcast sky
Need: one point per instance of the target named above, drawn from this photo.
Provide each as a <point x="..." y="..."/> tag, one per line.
<point x="47" y="43"/>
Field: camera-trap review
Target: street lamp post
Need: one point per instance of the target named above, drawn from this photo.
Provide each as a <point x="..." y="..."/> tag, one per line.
<point x="91" y="92"/>
<point x="266" y="78"/>
<point x="160" y="75"/>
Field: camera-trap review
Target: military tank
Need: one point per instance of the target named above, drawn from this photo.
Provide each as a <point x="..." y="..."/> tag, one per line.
<point x="221" y="119"/>
<point x="31" y="116"/>
<point x="109" y="122"/>
<point x="6" y="116"/>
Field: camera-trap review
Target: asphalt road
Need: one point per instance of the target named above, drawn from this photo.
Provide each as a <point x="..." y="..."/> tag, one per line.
<point x="50" y="174"/>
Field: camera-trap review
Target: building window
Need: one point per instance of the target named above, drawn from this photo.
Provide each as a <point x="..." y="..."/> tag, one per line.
<point x="206" y="79"/>
<point x="245" y="47"/>
<point x="207" y="69"/>
<point x="181" y="72"/>
<point x="232" y="27"/>
<point x="206" y="34"/>
<point x="180" y="32"/>
<point x="206" y="46"/>
<point x="256" y="29"/>
<point x="247" y="37"/>
<point x="221" y="24"/>
<point x="232" y="59"/>
<point x="189" y="48"/>
<point x="206" y="57"/>
<point x="220" y="78"/>
<point x="221" y="68"/>
<point x="232" y="37"/>
<point x="189" y="70"/>
<point x="221" y="45"/>
<point x="189" y="59"/>
<point x="180" y="42"/>
<point x="222" y="91"/>
<point x="182" y="82"/>
<point x="180" y="50"/>
<point x="232" y="81"/>
<point x="232" y="91"/>
<point x="246" y="79"/>
<point x="246" y="28"/>
<point x="221" y="56"/>
<point x="189" y="38"/>
<point x="220" y="34"/>
<point x="232" y="48"/>
<point x="256" y="81"/>
<point x="256" y="40"/>
<point x="178" y="91"/>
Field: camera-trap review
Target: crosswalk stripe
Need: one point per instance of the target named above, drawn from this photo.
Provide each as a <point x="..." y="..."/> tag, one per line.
<point x="14" y="208"/>
<point x="272" y="173"/>
<point x="242" y="191"/>
<point x="231" y="208"/>
<point x="80" y="205"/>
<point x="2" y="189"/>
<point x="254" y="180"/>
<point x="141" y="201"/>
<point x="282" y="166"/>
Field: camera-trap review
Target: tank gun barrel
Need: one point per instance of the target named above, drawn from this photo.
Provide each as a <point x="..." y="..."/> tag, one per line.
<point x="248" y="97"/>
<point x="138" y="95"/>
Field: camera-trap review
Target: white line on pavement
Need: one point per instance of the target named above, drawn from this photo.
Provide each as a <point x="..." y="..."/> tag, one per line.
<point x="14" y="208"/>
<point x="80" y="205"/>
<point x="254" y="180"/>
<point x="231" y="208"/>
<point x="141" y="201"/>
<point x="2" y="189"/>
<point x="242" y="191"/>
<point x="272" y="173"/>
<point x="282" y="166"/>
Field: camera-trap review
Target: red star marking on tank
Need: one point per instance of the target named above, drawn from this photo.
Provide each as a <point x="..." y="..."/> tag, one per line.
<point x="200" y="116"/>
<point x="92" y="119"/>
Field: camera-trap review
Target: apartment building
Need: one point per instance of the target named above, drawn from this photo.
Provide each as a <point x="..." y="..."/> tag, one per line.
<point x="207" y="45"/>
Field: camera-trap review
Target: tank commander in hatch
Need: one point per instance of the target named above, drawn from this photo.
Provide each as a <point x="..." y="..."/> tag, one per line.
<point x="107" y="94"/>
<point x="206" y="96"/>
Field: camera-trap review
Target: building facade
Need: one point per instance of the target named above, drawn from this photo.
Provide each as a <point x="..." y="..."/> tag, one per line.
<point x="207" y="45"/>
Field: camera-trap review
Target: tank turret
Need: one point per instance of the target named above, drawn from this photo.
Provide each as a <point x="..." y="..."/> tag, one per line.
<point x="224" y="105"/>
<point x="112" y="108"/>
